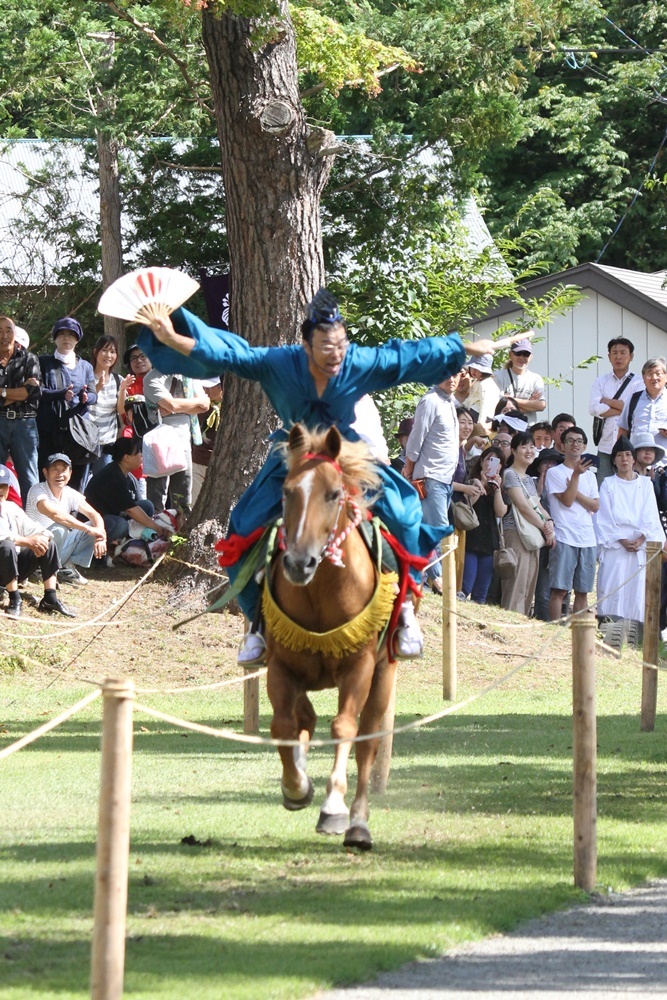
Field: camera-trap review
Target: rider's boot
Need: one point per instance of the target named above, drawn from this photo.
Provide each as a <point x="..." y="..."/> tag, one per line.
<point x="252" y="651"/>
<point x="409" y="641"/>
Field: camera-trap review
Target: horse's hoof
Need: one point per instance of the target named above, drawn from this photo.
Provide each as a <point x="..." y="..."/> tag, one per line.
<point x="359" y="836"/>
<point x="293" y="805"/>
<point x="333" y="823"/>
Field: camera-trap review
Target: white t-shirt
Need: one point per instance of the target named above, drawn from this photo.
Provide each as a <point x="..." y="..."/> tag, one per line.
<point x="520" y="387"/>
<point x="573" y="525"/>
<point x="68" y="502"/>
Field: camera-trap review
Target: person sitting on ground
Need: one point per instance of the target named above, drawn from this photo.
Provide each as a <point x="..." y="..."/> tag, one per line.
<point x="25" y="546"/>
<point x="647" y="454"/>
<point x="542" y="435"/>
<point x="113" y="493"/>
<point x="54" y="504"/>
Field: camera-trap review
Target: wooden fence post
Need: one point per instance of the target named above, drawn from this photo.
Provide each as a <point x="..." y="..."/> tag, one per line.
<point x="251" y="703"/>
<point x="113" y="842"/>
<point x="584" y="751"/>
<point x="651" y="636"/>
<point x="449" y="618"/>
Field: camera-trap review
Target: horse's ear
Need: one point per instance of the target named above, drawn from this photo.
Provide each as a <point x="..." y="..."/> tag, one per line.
<point x="297" y="437"/>
<point x="333" y="442"/>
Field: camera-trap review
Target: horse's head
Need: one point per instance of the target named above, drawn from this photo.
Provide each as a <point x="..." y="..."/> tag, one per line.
<point x="313" y="496"/>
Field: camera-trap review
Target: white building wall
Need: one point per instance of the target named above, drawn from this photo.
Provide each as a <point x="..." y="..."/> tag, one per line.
<point x="583" y="332"/>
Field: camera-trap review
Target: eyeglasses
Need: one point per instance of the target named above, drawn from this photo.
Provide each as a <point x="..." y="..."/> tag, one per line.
<point x="138" y="357"/>
<point x="329" y="349"/>
<point x="521" y="354"/>
<point x="570" y="440"/>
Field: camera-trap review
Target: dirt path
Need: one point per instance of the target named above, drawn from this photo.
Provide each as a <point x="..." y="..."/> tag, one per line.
<point x="617" y="945"/>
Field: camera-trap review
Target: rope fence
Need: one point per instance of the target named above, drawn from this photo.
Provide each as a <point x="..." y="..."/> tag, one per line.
<point x="119" y="709"/>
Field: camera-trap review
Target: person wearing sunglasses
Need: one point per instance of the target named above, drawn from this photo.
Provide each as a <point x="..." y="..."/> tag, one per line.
<point x="526" y="388"/>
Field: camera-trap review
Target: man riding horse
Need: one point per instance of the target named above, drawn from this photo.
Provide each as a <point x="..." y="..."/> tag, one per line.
<point x="315" y="383"/>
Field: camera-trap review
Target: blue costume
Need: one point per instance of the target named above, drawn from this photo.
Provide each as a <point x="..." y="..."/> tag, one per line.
<point x="285" y="377"/>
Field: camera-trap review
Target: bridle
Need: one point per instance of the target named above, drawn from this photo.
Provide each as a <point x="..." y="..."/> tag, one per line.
<point x="333" y="547"/>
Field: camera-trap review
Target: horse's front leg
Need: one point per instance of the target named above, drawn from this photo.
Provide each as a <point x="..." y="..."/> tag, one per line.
<point x="352" y="693"/>
<point x="293" y="719"/>
<point x="358" y="833"/>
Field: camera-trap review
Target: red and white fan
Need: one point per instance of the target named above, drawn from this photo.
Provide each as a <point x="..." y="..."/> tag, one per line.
<point x="146" y="294"/>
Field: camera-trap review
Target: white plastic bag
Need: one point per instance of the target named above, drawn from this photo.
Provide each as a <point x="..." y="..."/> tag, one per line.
<point x="163" y="452"/>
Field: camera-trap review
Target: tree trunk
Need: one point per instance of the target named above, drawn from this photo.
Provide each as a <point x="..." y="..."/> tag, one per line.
<point x="274" y="169"/>
<point x="110" y="227"/>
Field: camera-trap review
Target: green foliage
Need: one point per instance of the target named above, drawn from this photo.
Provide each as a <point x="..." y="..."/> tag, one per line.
<point x="593" y="121"/>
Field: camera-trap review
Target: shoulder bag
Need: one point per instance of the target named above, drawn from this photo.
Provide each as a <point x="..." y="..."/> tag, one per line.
<point x="598" y="422"/>
<point x="531" y="536"/>
<point x="75" y="436"/>
<point x="465" y="515"/>
<point x="504" y="560"/>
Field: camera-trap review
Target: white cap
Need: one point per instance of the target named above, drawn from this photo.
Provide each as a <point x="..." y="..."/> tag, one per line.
<point x="21" y="337"/>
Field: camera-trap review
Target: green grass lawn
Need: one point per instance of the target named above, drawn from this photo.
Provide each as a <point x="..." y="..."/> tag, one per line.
<point x="473" y="836"/>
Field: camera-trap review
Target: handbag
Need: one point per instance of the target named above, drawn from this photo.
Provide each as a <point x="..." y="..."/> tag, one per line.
<point x="420" y="486"/>
<point x="75" y="436"/>
<point x="163" y="452"/>
<point x="504" y="560"/>
<point x="598" y="422"/>
<point x="531" y="536"/>
<point x="465" y="515"/>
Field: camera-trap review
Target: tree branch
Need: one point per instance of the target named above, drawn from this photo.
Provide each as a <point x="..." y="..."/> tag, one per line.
<point x="316" y="88"/>
<point x="182" y="166"/>
<point x="155" y="38"/>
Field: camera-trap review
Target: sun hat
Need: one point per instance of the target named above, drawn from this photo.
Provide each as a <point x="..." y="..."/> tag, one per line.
<point x="21" y="337"/>
<point x="546" y="455"/>
<point x="646" y="440"/>
<point x="67" y="323"/>
<point x="484" y="364"/>
<point x="5" y="476"/>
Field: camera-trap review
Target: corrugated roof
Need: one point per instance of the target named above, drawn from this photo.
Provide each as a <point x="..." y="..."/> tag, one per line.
<point x="650" y="285"/>
<point x="25" y="256"/>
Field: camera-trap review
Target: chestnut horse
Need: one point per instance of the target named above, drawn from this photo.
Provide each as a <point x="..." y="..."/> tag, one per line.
<point x="325" y="594"/>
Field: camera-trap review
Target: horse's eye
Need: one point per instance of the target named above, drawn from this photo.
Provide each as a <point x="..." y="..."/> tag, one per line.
<point x="332" y="496"/>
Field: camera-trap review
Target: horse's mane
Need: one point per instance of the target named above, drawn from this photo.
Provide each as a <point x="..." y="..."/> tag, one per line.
<point x="359" y="468"/>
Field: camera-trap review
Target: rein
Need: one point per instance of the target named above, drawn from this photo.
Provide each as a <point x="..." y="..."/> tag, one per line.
<point x="333" y="547"/>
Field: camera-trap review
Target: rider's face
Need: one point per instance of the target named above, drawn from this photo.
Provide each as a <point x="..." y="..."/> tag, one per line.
<point x="326" y="349"/>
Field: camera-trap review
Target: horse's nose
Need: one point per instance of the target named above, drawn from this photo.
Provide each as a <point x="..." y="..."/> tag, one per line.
<point x="299" y="567"/>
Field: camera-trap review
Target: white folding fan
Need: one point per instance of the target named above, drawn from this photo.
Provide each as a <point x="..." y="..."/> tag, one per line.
<point x="146" y="294"/>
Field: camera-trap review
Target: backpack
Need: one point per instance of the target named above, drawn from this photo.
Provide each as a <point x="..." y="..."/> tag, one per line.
<point x="143" y="416"/>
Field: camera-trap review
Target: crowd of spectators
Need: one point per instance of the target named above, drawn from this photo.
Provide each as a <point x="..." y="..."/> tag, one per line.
<point x="556" y="520"/>
<point x="72" y="489"/>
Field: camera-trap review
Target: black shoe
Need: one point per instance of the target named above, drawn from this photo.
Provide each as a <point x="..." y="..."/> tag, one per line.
<point x="13" y="610"/>
<point x="55" y="607"/>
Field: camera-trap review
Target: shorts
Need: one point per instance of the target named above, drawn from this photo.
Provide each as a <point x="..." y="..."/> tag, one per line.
<point x="572" y="567"/>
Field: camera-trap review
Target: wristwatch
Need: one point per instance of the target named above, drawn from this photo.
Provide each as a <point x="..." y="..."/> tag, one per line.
<point x="3" y="392"/>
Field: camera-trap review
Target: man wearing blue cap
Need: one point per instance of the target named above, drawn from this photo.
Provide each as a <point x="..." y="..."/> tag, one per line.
<point x="24" y="546"/>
